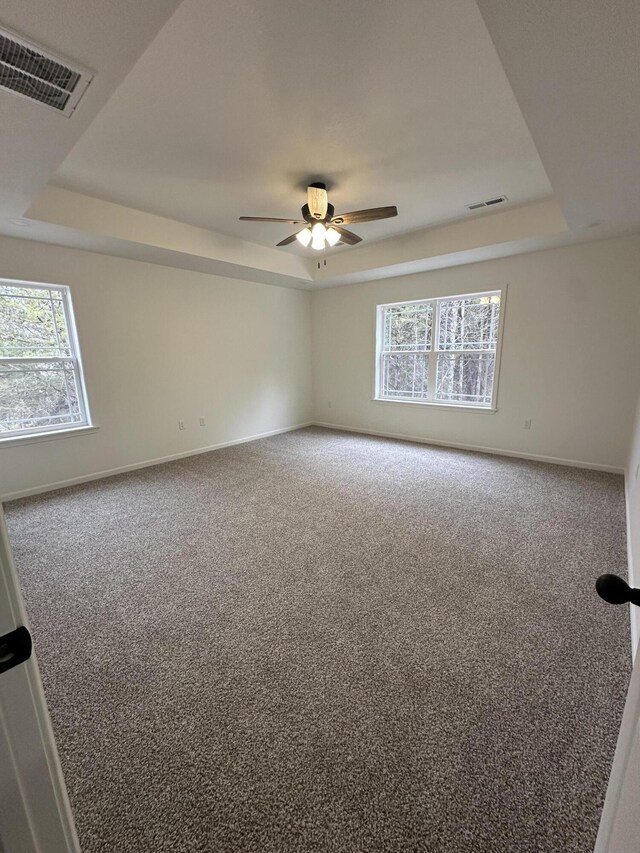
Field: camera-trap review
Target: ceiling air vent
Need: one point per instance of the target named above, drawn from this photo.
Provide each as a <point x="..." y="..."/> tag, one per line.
<point x="31" y="72"/>
<point x="488" y="203"/>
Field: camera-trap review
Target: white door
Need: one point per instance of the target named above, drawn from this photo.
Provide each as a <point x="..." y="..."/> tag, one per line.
<point x="620" y="824"/>
<point x="35" y="816"/>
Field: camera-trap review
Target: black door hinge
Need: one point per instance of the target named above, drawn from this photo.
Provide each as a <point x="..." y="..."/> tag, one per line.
<point x="15" y="648"/>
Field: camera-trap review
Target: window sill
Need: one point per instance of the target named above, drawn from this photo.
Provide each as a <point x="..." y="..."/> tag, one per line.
<point x="450" y="407"/>
<point x="14" y="440"/>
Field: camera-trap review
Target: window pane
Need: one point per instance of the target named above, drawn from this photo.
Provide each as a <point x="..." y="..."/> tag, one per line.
<point x="32" y="323"/>
<point x="38" y="394"/>
<point x="465" y="377"/>
<point x="469" y="324"/>
<point x="405" y="375"/>
<point x="64" y="346"/>
<point x="407" y="327"/>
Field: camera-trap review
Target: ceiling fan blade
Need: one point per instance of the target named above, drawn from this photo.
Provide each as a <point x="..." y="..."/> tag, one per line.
<point x="270" y="219"/>
<point x="347" y="237"/>
<point x="365" y="215"/>
<point x="286" y="240"/>
<point x="317" y="201"/>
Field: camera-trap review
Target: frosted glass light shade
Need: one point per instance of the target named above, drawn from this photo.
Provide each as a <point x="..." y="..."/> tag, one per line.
<point x="304" y="236"/>
<point x="318" y="233"/>
<point x="332" y="236"/>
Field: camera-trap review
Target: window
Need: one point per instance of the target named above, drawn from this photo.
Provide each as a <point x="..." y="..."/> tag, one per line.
<point x="41" y="384"/>
<point x="440" y="351"/>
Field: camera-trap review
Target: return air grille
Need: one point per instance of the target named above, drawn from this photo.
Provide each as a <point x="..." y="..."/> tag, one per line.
<point x="29" y="71"/>
<point x="478" y="205"/>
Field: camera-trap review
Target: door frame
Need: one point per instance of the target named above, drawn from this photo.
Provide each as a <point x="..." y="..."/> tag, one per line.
<point x="620" y="820"/>
<point x="35" y="813"/>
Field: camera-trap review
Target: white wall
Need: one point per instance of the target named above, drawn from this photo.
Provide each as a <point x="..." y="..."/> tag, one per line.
<point x="161" y="345"/>
<point x="570" y="354"/>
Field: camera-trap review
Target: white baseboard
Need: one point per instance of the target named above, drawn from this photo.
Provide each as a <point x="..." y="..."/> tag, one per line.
<point x="98" y="475"/>
<point x="554" y="460"/>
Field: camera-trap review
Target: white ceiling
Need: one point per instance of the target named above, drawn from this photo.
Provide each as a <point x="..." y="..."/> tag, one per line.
<point x="237" y="104"/>
<point x="33" y="139"/>
<point x="234" y="106"/>
<point x="574" y="66"/>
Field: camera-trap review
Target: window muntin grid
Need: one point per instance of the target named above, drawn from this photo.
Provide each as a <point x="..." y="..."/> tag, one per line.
<point x="41" y="383"/>
<point x="440" y="350"/>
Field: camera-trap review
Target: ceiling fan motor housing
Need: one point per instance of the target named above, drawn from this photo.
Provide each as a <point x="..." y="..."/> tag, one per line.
<point x="309" y="217"/>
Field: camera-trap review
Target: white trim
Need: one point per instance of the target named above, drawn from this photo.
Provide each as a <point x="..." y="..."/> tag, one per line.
<point x="33" y="285"/>
<point x="98" y="475"/>
<point x="74" y="359"/>
<point x="633" y="610"/>
<point x="45" y="820"/>
<point x="497" y="451"/>
<point x="74" y="342"/>
<point x="491" y="292"/>
<point x="35" y="437"/>
<point x="621" y="797"/>
<point x="435" y="300"/>
<point x="488" y="410"/>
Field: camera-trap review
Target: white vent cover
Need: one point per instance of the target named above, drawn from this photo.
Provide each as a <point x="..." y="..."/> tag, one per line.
<point x="31" y="72"/>
<point x="488" y="203"/>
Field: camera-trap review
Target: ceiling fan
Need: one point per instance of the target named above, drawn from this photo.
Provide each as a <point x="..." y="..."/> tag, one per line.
<point x="322" y="227"/>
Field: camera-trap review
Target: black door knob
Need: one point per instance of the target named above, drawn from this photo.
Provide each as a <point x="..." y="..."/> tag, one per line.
<point x="15" y="648"/>
<point x="615" y="590"/>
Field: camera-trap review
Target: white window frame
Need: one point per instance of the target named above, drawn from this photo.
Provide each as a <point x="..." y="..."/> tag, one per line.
<point x="491" y="407"/>
<point x="75" y="359"/>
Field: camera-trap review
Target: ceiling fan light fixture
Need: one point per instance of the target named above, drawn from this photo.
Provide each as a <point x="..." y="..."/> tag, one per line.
<point x="304" y="236"/>
<point x="318" y="233"/>
<point x="332" y="236"/>
<point x="321" y="228"/>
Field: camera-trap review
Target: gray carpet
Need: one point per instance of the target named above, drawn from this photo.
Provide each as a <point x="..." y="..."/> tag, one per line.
<point x="328" y="642"/>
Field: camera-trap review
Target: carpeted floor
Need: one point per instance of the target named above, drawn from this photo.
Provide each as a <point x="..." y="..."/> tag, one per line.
<point x="328" y="642"/>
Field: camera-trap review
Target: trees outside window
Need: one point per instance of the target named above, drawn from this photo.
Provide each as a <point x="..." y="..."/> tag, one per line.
<point x="440" y="351"/>
<point x="41" y="382"/>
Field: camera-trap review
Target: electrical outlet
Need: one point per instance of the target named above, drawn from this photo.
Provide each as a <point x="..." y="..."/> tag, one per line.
<point x="527" y="424"/>
<point x="202" y="422"/>
<point x="329" y="404"/>
<point x="180" y="424"/>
